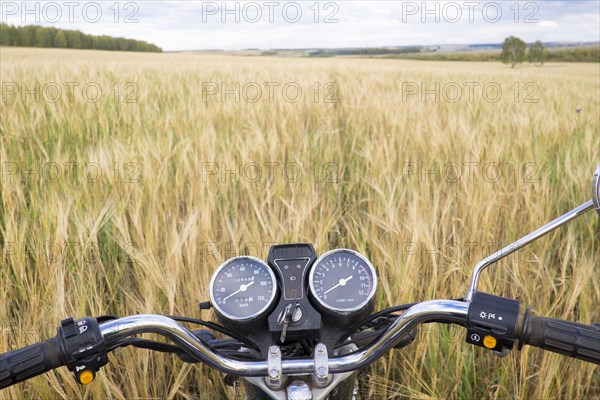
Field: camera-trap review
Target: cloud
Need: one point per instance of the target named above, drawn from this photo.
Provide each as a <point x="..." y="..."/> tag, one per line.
<point x="188" y="25"/>
<point x="547" y="24"/>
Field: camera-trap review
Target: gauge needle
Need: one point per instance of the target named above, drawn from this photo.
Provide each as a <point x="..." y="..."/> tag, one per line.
<point x="342" y="282"/>
<point x="241" y="289"/>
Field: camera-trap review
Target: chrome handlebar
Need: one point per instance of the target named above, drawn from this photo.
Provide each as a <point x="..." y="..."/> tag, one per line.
<point x="434" y="310"/>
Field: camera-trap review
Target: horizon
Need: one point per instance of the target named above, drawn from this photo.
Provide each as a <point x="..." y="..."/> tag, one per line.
<point x="467" y="45"/>
<point x="296" y="25"/>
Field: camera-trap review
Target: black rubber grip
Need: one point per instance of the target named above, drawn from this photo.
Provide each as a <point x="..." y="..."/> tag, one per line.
<point x="563" y="337"/>
<point x="19" y="365"/>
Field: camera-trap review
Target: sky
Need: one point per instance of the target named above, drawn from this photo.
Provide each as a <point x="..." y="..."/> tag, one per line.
<point x="237" y="25"/>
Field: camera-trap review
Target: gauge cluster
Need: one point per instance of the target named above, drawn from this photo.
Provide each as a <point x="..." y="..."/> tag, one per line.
<point x="295" y="294"/>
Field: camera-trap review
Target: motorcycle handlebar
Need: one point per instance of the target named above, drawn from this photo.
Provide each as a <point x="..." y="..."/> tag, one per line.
<point x="567" y="338"/>
<point x="435" y="310"/>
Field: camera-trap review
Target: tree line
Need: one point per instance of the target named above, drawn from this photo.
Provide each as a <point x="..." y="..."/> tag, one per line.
<point x="364" y="51"/>
<point x="568" y="54"/>
<point x="39" y="36"/>
<point x="514" y="51"/>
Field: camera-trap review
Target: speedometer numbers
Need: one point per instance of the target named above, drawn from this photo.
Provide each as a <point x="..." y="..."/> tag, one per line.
<point x="343" y="282"/>
<point x="243" y="289"/>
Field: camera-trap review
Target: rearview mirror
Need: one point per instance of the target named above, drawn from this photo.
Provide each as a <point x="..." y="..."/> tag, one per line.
<point x="549" y="227"/>
<point x="596" y="189"/>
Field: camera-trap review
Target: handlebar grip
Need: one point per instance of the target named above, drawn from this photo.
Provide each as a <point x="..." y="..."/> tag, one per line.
<point x="564" y="337"/>
<point x="19" y="365"/>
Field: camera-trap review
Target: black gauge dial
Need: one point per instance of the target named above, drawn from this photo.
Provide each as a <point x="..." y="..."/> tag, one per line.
<point x="243" y="288"/>
<point x="343" y="281"/>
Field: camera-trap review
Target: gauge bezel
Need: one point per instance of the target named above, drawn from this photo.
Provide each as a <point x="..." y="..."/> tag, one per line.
<point x="255" y="315"/>
<point x="338" y="310"/>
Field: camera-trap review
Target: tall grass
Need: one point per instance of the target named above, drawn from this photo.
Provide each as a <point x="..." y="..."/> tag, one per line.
<point x="141" y="225"/>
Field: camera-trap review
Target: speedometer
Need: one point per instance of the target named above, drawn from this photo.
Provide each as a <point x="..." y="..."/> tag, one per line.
<point x="243" y="288"/>
<point x="343" y="282"/>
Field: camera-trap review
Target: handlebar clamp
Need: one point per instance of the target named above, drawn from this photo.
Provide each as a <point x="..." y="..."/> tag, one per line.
<point x="83" y="346"/>
<point x="492" y="322"/>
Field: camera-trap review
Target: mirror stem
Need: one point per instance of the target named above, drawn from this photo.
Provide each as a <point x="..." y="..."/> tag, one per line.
<point x="525" y="240"/>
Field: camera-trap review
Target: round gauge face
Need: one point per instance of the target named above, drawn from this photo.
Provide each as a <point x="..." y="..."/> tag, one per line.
<point x="243" y="288"/>
<point x="343" y="281"/>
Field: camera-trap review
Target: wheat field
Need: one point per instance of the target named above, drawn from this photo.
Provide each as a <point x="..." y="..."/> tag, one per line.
<point x="125" y="201"/>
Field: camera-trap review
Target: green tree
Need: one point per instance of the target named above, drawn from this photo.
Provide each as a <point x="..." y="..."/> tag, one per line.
<point x="43" y="38"/>
<point x="513" y="51"/>
<point x="60" y="40"/>
<point x="537" y="53"/>
<point x="26" y="36"/>
<point x="87" y="41"/>
<point x="6" y="35"/>
<point x="121" y="44"/>
<point x="74" y="39"/>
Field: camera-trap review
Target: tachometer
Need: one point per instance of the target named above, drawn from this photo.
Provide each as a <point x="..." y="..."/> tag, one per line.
<point x="343" y="282"/>
<point x="243" y="288"/>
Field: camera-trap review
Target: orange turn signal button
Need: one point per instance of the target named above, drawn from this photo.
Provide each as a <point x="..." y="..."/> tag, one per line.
<point x="489" y="342"/>
<point x="86" y="377"/>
